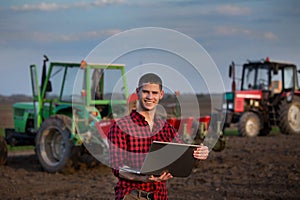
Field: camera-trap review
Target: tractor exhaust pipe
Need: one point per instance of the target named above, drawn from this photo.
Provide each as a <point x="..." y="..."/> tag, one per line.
<point x="232" y="75"/>
<point x="44" y="72"/>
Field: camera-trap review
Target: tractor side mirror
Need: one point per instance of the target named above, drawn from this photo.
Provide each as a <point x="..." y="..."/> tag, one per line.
<point x="231" y="70"/>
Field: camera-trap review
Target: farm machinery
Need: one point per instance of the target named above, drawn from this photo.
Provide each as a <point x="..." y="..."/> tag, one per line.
<point x="72" y="110"/>
<point x="269" y="95"/>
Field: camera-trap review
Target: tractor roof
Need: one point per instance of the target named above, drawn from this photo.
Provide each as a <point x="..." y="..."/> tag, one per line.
<point x="91" y="64"/>
<point x="273" y="63"/>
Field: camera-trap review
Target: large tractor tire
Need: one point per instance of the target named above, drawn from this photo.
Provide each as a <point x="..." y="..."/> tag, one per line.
<point x="289" y="122"/>
<point x="3" y="151"/>
<point x="249" y="125"/>
<point x="53" y="145"/>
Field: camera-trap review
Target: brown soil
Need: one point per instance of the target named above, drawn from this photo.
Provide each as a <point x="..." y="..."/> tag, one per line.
<point x="249" y="168"/>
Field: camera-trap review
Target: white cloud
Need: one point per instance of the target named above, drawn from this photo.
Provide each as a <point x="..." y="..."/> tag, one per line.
<point x="233" y="31"/>
<point x="61" y="6"/>
<point x="270" y="36"/>
<point x="57" y="37"/>
<point x="233" y="10"/>
<point x="42" y="37"/>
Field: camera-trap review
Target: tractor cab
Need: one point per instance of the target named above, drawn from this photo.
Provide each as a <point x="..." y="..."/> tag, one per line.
<point x="80" y="85"/>
<point x="270" y="76"/>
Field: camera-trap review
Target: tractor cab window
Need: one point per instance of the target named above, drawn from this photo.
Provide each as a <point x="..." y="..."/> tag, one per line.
<point x="56" y="78"/>
<point x="107" y="89"/>
<point x="70" y="92"/>
<point x="64" y="81"/>
<point x="96" y="84"/>
<point x="255" y="77"/>
<point x="249" y="78"/>
<point x="262" y="81"/>
<point x="276" y="83"/>
<point x="107" y="84"/>
<point x="288" y="78"/>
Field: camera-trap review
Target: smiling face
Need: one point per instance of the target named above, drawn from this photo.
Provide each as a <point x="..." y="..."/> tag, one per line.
<point x="149" y="96"/>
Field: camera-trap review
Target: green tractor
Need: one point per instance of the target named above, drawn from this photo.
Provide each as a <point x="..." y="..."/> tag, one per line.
<point x="72" y="110"/>
<point x="75" y="104"/>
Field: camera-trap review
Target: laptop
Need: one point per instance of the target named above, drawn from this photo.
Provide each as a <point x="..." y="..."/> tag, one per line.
<point x="175" y="158"/>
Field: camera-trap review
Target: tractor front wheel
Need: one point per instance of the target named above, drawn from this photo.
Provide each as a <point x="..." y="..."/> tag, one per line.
<point x="289" y="113"/>
<point x="249" y="124"/>
<point x="3" y="151"/>
<point x="53" y="145"/>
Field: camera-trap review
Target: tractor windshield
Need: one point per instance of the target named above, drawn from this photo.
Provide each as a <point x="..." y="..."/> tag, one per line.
<point x="62" y="81"/>
<point x="255" y="77"/>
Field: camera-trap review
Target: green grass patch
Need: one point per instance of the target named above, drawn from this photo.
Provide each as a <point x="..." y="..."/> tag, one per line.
<point x="231" y="132"/>
<point x="20" y="148"/>
<point x="234" y="131"/>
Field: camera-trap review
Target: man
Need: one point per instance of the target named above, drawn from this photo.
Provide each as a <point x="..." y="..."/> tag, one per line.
<point x="131" y="137"/>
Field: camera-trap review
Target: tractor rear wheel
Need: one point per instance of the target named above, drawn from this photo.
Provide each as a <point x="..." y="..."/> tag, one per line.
<point x="249" y="124"/>
<point x="289" y="122"/>
<point x="53" y="145"/>
<point x="3" y="151"/>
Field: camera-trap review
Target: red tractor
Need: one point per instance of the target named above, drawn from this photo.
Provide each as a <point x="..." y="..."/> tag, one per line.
<point x="269" y="95"/>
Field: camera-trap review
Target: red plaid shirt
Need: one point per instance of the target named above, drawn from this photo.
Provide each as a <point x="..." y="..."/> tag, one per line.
<point x="130" y="139"/>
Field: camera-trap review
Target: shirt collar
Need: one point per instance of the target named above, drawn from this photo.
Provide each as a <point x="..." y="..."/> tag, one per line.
<point x="138" y="118"/>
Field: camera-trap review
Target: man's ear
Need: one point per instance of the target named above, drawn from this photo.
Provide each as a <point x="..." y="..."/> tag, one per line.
<point x="162" y="93"/>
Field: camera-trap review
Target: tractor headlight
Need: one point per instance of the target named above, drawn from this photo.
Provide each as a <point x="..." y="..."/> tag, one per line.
<point x="230" y="106"/>
<point x="226" y="106"/>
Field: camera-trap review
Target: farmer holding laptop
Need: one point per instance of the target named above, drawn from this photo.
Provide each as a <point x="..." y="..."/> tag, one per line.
<point x="130" y="139"/>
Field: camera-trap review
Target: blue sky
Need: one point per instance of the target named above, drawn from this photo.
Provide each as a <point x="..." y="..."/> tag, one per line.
<point x="68" y="30"/>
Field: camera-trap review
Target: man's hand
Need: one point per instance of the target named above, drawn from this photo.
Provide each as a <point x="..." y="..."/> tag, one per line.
<point x="163" y="177"/>
<point x="201" y="152"/>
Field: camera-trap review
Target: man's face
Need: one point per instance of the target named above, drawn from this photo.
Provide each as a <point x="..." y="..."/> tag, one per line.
<point x="149" y="96"/>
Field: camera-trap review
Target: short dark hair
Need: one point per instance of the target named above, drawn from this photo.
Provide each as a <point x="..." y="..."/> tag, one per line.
<point x="150" y="78"/>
